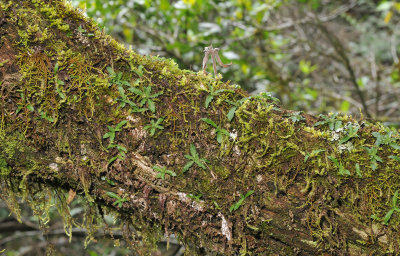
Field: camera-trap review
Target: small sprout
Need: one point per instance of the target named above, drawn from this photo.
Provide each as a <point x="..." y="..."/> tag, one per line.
<point x="342" y="171"/>
<point x="30" y="108"/>
<point x="385" y="139"/>
<point x="217" y="206"/>
<point x="232" y="110"/>
<point x="124" y="99"/>
<point x="162" y="171"/>
<point x="351" y="133"/>
<point x="315" y="152"/>
<point x="119" y="201"/>
<point x="194" y="158"/>
<point x="358" y="171"/>
<point x="121" y="155"/>
<point x="194" y="197"/>
<point x="373" y="157"/>
<point x="111" y="133"/>
<point x="112" y="183"/>
<point x="138" y="71"/>
<point x="331" y="121"/>
<point x="296" y="117"/>
<point x="147" y="97"/>
<point x="211" y="95"/>
<point x="395" y="158"/>
<point x="236" y="205"/>
<point x="116" y="78"/>
<point x="81" y="30"/>
<point x="153" y="126"/>
<point x="43" y="115"/>
<point x="219" y="131"/>
<point x="393" y="209"/>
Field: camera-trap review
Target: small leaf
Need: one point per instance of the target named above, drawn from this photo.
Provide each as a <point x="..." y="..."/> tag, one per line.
<point x="30" y="108"/>
<point x="231" y="113"/>
<point x="388" y="216"/>
<point x="151" y="105"/>
<point x="187" y="166"/>
<point x="208" y="100"/>
<point x="209" y="121"/>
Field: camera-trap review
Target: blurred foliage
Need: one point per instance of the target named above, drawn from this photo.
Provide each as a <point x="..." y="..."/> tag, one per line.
<point x="317" y="56"/>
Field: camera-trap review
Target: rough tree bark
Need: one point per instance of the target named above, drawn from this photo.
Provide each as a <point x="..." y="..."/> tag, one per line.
<point x="171" y="151"/>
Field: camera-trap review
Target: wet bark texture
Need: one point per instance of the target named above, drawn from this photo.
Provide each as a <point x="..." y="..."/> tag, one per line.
<point x="170" y="151"/>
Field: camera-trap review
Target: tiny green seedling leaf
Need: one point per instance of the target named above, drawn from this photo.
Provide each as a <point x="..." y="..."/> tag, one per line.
<point x="153" y="126"/>
<point x="219" y="131"/>
<point x="393" y="209"/>
<point x="212" y="94"/>
<point x="112" y="131"/>
<point x="119" y="201"/>
<point x="162" y="171"/>
<point x="194" y="158"/>
<point x="194" y="197"/>
<point x="236" y="205"/>
<point x="351" y="133"/>
<point x="341" y="170"/>
<point x="313" y="153"/>
<point x="146" y="97"/>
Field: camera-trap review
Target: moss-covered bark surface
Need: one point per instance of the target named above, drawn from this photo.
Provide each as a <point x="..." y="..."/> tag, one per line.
<point x="170" y="151"/>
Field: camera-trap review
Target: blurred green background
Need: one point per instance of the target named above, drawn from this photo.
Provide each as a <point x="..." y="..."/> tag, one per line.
<point x="316" y="56"/>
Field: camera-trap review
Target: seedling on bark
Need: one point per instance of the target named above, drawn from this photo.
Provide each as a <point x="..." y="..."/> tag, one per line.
<point x="342" y="171"/>
<point x="153" y="126"/>
<point x="147" y="97"/>
<point x="195" y="197"/>
<point x="394" y="208"/>
<point x="162" y="171"/>
<point x="232" y="110"/>
<point x="116" y="78"/>
<point x="220" y="131"/>
<point x="121" y="152"/>
<point x="212" y="94"/>
<point x="373" y="157"/>
<point x="236" y="205"/>
<point x="194" y="158"/>
<point x="111" y="133"/>
<point x="119" y="201"/>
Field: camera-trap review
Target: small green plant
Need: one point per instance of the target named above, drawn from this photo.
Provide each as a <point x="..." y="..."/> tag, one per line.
<point x="112" y="183"/>
<point x="373" y="157"/>
<point x="112" y="131"/>
<point x="296" y="117"/>
<point x="395" y="158"/>
<point x="232" y="110"/>
<point x="358" y="171"/>
<point x="121" y="152"/>
<point x="153" y="126"/>
<point x="394" y="208"/>
<point x="220" y="131"/>
<point x="194" y="197"/>
<point x="351" y="133"/>
<point x="116" y="78"/>
<point x="119" y="201"/>
<point x="315" y="152"/>
<point x="331" y="121"/>
<point x="386" y="139"/>
<point x="194" y="158"/>
<point x="236" y="205"/>
<point x="212" y="94"/>
<point x="147" y="97"/>
<point x="162" y="171"/>
<point x="342" y="171"/>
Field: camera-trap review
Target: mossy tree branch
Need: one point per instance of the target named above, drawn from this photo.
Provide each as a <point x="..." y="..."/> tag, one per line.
<point x="133" y="136"/>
